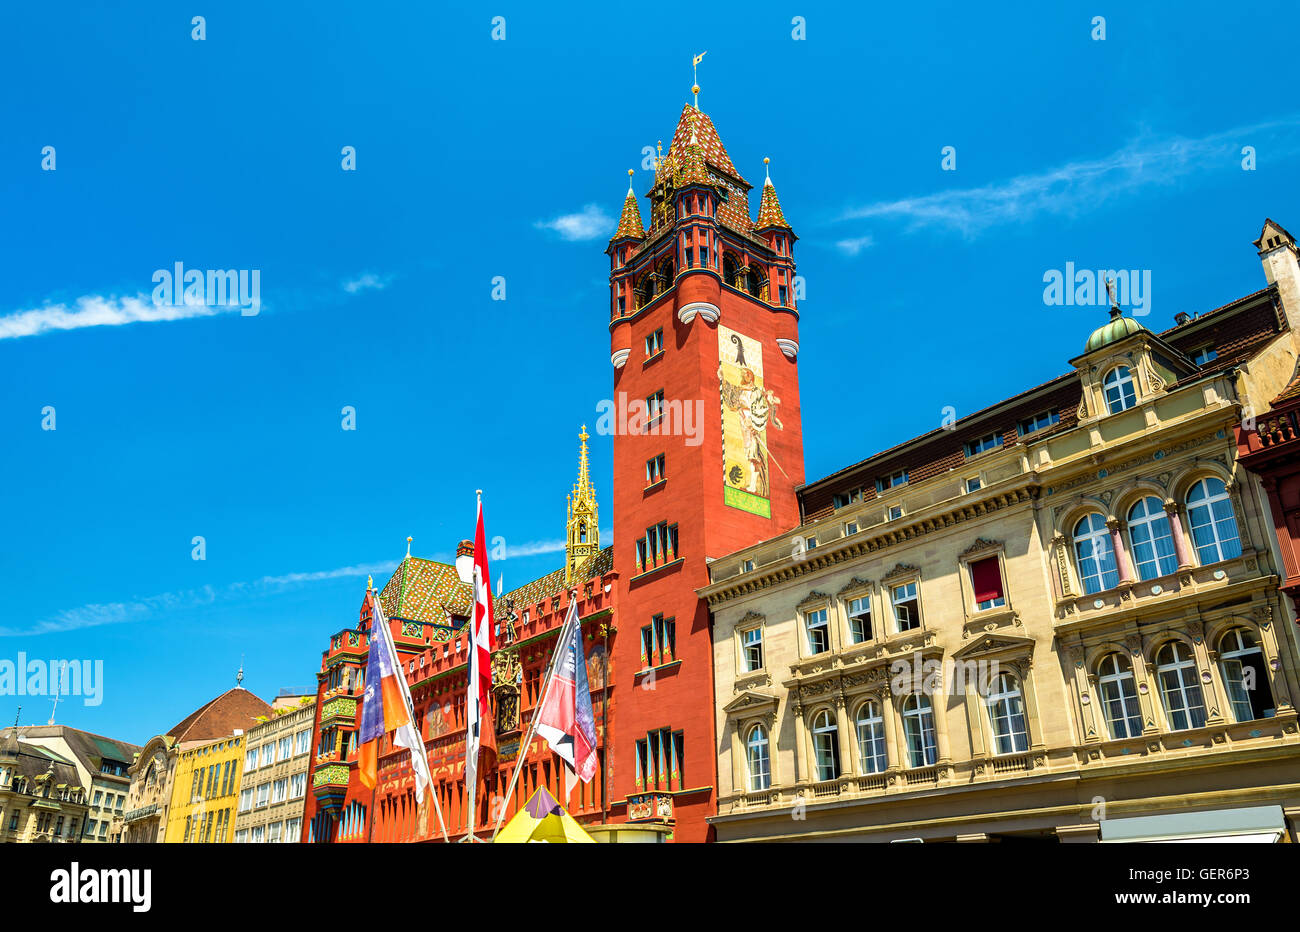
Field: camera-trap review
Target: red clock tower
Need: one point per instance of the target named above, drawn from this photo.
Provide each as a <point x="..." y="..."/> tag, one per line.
<point x="708" y="452"/>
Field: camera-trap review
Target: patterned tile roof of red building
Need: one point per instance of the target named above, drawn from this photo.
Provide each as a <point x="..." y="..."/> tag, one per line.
<point x="425" y="590"/>
<point x="629" y="222"/>
<point x="715" y="153"/>
<point x="769" y="209"/>
<point x="552" y="583"/>
<point x="235" y="708"/>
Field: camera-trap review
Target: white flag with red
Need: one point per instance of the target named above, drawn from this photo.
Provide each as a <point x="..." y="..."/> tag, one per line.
<point x="481" y="734"/>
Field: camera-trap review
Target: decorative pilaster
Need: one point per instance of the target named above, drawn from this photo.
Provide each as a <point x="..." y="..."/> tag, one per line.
<point x="1121" y="555"/>
<point x="1175" y="512"/>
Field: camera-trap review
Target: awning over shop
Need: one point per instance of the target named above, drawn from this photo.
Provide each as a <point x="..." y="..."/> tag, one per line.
<point x="1259" y="824"/>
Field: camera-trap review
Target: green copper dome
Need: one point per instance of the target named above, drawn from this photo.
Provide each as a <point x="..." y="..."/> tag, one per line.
<point x="1117" y="328"/>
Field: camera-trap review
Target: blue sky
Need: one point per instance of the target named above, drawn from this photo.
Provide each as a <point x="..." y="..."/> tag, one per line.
<point x="479" y="158"/>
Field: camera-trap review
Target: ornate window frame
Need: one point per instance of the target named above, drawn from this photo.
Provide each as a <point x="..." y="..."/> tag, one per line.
<point x="857" y="588"/>
<point x="901" y="575"/>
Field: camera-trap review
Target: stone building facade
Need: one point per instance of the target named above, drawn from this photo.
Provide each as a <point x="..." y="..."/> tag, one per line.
<point x="42" y="797"/>
<point x="1055" y="620"/>
<point x="273" y="787"/>
<point x="102" y="767"/>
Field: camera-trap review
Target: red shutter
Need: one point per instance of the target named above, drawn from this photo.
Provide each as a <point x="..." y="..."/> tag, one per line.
<point x="987" y="579"/>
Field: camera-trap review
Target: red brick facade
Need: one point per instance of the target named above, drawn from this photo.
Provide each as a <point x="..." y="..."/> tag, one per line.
<point x="693" y="274"/>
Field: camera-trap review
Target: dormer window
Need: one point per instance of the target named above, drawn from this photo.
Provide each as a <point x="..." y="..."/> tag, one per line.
<point x="844" y="499"/>
<point x="1120" y="391"/>
<point x="1204" y="354"/>
<point x="981" y="444"/>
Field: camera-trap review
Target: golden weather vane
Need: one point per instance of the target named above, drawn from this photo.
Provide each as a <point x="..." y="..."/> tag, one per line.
<point x="695" y="74"/>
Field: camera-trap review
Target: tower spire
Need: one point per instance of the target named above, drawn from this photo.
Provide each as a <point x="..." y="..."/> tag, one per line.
<point x="769" y="207"/>
<point x="629" y="221"/>
<point x="582" y="538"/>
<point x="695" y="75"/>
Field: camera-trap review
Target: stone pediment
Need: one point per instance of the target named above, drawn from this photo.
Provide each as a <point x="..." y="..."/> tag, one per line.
<point x="748" y="700"/>
<point x="990" y="643"/>
<point x="814" y="598"/>
<point x="855" y="585"/>
<point x="902" y="569"/>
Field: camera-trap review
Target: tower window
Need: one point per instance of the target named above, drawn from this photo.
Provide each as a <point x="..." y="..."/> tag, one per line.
<point x="782" y="292"/>
<point x="654" y="405"/>
<point x="654" y="470"/>
<point x="654" y="343"/>
<point x="704" y="256"/>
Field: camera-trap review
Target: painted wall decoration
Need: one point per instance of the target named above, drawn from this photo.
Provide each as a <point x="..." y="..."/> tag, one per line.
<point x="748" y="410"/>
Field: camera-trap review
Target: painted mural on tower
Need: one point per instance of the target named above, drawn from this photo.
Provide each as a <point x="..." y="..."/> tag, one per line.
<point x="747" y="410"/>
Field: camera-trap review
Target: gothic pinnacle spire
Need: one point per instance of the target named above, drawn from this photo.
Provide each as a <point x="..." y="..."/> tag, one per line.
<point x="629" y="221"/>
<point x="769" y="207"/>
<point x="582" y="538"/>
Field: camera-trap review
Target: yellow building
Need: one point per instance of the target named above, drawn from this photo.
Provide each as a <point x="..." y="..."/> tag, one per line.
<point x="1057" y="619"/>
<point x="165" y="799"/>
<point x="204" y="791"/>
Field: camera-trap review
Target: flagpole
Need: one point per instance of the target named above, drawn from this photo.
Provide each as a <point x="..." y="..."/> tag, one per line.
<point x="410" y="711"/>
<point x="537" y="708"/>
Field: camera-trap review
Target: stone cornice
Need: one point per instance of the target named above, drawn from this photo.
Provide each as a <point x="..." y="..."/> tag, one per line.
<point x="860" y="545"/>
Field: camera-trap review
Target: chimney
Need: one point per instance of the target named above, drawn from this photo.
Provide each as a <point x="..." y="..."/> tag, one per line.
<point x="1277" y="252"/>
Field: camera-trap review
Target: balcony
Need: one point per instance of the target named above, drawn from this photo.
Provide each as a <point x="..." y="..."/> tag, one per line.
<point x="142" y="813"/>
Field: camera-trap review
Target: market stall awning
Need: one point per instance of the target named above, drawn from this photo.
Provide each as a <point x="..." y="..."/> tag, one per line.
<point x="543" y="819"/>
<point x="1260" y="824"/>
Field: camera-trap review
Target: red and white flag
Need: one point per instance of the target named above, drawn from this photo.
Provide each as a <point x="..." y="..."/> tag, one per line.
<point x="480" y="734"/>
<point x="564" y="716"/>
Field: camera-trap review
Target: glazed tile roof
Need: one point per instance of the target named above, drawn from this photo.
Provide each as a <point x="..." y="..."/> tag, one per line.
<point x="425" y="590"/>
<point x="235" y="708"/>
<point x="593" y="567"/>
<point x="629" y="222"/>
<point x="715" y="153"/>
<point x="769" y="209"/>
<point x="733" y="209"/>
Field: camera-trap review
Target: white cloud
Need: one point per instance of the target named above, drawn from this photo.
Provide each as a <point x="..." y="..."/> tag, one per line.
<point x="1079" y="186"/>
<point x="99" y="311"/>
<point x="854" y="246"/>
<point x="589" y="223"/>
<point x="96" y="614"/>
<point x="367" y="282"/>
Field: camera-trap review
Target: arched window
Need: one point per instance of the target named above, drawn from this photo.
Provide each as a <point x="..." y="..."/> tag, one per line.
<point x="1151" y="539"/>
<point x="1007" y="715"/>
<point x="645" y="289"/>
<point x="582" y="532"/>
<point x="756" y="282"/>
<point x="1245" y="676"/>
<point x="1094" y="554"/>
<point x="871" y="738"/>
<point x="1118" y="385"/>
<point x="1180" y="687"/>
<point x="757" y="761"/>
<point x="667" y="273"/>
<point x="1119" y="701"/>
<point x="918" y="729"/>
<point x="1214" y="526"/>
<point x="826" y="745"/>
<point x="731" y="269"/>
